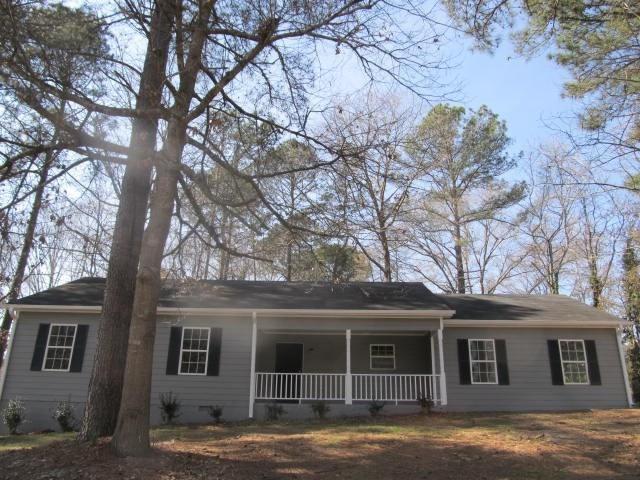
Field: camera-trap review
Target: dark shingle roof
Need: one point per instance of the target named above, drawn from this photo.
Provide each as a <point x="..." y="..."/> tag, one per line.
<point x="321" y="295"/>
<point x="522" y="307"/>
<point x="258" y="295"/>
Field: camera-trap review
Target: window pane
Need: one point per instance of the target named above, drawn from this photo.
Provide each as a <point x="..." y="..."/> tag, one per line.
<point x="195" y="344"/>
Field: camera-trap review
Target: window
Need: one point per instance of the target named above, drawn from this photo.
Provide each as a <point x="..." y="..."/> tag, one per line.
<point x="482" y="356"/>
<point x="194" y="351"/>
<point x="60" y="344"/>
<point x="574" y="362"/>
<point x="383" y="357"/>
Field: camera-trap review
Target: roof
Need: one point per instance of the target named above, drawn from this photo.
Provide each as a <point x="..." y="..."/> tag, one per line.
<point x="523" y="307"/>
<point x="257" y="295"/>
<point x="356" y="296"/>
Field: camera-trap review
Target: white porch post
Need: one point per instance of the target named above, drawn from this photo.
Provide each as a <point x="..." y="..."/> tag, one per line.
<point x="443" y="378"/>
<point x="252" y="380"/>
<point x="348" y="394"/>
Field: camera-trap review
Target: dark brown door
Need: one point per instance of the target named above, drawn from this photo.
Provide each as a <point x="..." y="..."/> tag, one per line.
<point x="289" y="357"/>
<point x="289" y="360"/>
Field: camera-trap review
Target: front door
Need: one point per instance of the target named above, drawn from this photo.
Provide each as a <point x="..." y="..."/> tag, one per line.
<point x="289" y="360"/>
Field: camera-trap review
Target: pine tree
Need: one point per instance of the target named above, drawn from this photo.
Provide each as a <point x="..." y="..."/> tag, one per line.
<point x="631" y="284"/>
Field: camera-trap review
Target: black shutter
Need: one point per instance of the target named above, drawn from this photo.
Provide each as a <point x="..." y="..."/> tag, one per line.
<point x="215" y="345"/>
<point x="173" y="357"/>
<point x="40" y="347"/>
<point x="501" y="361"/>
<point x="463" y="361"/>
<point x="592" y="362"/>
<point x="555" y="363"/>
<point x="429" y="363"/>
<point x="79" y="346"/>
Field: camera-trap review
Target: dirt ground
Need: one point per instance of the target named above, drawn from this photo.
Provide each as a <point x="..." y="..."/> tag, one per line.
<point x="577" y="445"/>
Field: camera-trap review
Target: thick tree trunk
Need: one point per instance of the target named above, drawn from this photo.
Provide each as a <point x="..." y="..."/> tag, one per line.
<point x="21" y="267"/>
<point x="131" y="436"/>
<point x="105" y="386"/>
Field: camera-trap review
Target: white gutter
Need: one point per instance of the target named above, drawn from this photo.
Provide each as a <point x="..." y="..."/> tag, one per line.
<point x="453" y="323"/>
<point x="7" y="353"/>
<point x="266" y="312"/>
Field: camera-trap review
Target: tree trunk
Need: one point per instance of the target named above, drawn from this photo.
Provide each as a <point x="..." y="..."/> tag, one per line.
<point x="131" y="436"/>
<point x="21" y="267"/>
<point x="460" y="280"/>
<point x="105" y="385"/>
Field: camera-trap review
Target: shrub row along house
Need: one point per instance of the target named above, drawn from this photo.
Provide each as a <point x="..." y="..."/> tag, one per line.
<point x="242" y="344"/>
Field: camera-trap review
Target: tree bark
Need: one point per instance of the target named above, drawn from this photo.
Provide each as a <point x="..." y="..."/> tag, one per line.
<point x="460" y="273"/>
<point x="105" y="386"/>
<point x="21" y="267"/>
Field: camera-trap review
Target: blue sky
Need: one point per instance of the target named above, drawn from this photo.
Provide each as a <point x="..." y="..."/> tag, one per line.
<point x="525" y="93"/>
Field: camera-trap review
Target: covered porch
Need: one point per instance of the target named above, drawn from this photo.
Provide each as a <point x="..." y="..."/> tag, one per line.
<point x="385" y="359"/>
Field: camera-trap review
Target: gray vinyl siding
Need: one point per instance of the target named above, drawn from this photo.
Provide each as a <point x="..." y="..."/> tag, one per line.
<point x="327" y="353"/>
<point x="40" y="391"/>
<point x="230" y="388"/>
<point x="530" y="373"/>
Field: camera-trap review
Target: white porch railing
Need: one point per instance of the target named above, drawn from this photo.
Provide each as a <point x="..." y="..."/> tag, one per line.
<point x="395" y="388"/>
<point x="300" y="386"/>
<point x="331" y="386"/>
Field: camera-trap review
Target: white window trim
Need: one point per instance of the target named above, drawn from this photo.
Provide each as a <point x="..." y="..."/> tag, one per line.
<point x="494" y="361"/>
<point x="206" y="358"/>
<point x="72" y="348"/>
<point x="585" y="361"/>
<point x="371" y="357"/>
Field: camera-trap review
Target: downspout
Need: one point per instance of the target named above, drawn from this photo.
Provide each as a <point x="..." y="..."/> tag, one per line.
<point x="623" y="364"/>
<point x="252" y="380"/>
<point x="7" y="356"/>
<point x="443" y="378"/>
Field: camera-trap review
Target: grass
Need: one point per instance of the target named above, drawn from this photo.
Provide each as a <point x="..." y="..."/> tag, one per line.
<point x="20" y="442"/>
<point x="577" y="445"/>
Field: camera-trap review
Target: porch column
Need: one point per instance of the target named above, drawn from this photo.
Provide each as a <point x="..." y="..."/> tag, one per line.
<point x="443" y="378"/>
<point x="348" y="395"/>
<point x="252" y="380"/>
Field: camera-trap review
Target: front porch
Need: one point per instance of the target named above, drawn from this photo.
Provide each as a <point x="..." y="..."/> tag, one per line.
<point x="351" y="366"/>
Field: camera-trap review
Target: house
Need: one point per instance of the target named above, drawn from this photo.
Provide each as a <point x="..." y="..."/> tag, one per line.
<point x="241" y="344"/>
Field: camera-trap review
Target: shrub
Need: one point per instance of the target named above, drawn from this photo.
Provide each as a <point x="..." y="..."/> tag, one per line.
<point x="375" y="407"/>
<point x="14" y="415"/>
<point x="426" y="404"/>
<point x="320" y="409"/>
<point x="65" y="416"/>
<point x="216" y="412"/>
<point x="274" y="411"/>
<point x="169" y="407"/>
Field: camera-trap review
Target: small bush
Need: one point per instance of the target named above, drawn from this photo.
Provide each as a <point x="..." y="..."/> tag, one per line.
<point x="320" y="409"/>
<point x="375" y="408"/>
<point x="65" y="416"/>
<point x="14" y="415"/>
<point x="169" y="407"/>
<point x="274" y="411"/>
<point x="216" y="412"/>
<point x="426" y="404"/>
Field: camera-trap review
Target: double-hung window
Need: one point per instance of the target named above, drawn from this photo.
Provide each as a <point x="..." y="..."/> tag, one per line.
<point x="382" y="357"/>
<point x="60" y="344"/>
<point x="482" y="358"/>
<point x="574" y="362"/>
<point x="194" y="351"/>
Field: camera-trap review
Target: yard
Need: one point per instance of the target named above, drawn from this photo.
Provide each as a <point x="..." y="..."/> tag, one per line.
<point x="580" y="445"/>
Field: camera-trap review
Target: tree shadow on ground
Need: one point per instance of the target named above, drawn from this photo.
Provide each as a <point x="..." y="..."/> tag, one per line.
<point x="545" y="446"/>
